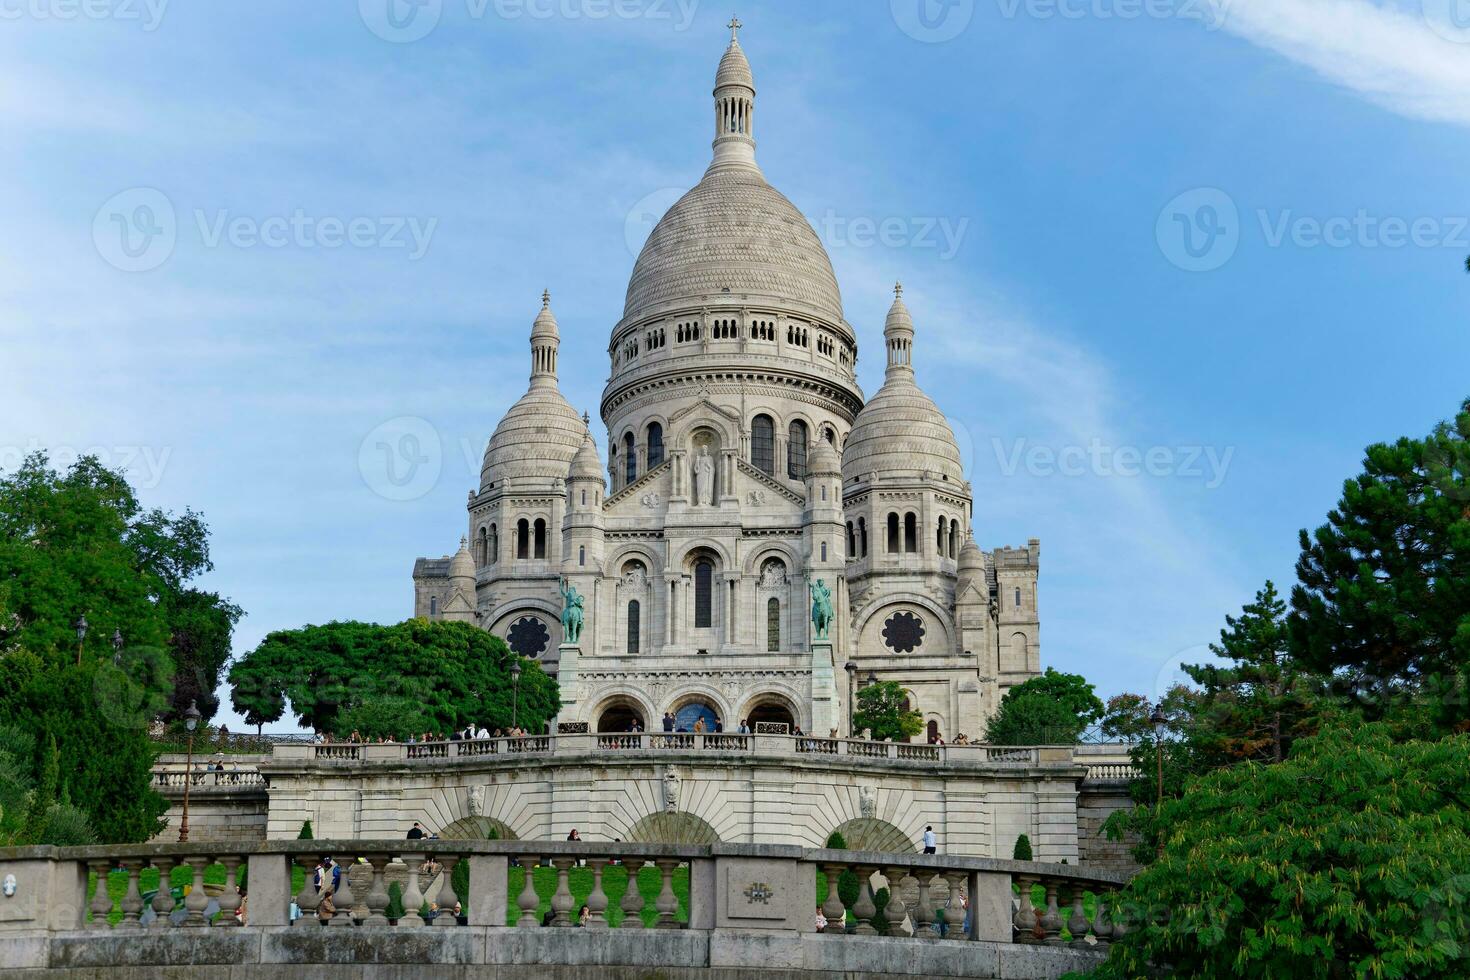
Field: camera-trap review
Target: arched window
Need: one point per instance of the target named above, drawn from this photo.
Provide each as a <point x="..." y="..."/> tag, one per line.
<point x="824" y="551"/>
<point x="939" y="540"/>
<point x="582" y="554"/>
<point x="910" y="533"/>
<point x="584" y="498"/>
<point x="1018" y="598"/>
<point x="433" y="605"/>
<point x="523" y="538"/>
<point x="863" y="537"/>
<point x="763" y="444"/>
<point x="482" y="548"/>
<point x="634" y="609"/>
<point x="704" y="574"/>
<point x="829" y="434"/>
<point x="851" y="541"/>
<point x="630" y="459"/>
<point x="540" y="538"/>
<point x="796" y="450"/>
<point x="655" y="444"/>
<point x="494" y="555"/>
<point x="893" y="534"/>
<point x="953" y="538"/>
<point x="773" y="625"/>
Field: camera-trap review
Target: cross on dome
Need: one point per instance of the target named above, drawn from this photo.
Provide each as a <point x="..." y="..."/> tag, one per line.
<point x="546" y="299"/>
<point x="734" y="26"/>
<point x="898" y="290"/>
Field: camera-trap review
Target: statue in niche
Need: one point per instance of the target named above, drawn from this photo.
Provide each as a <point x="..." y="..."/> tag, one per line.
<point x="477" y="801"/>
<point x="773" y="575"/>
<point x="867" y="802"/>
<point x="704" y="478"/>
<point x="636" y="577"/>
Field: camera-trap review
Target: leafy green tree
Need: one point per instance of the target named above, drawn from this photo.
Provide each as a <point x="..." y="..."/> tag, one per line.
<point x="454" y="674"/>
<point x="1022" y="850"/>
<point x="17" y="748"/>
<point x="1125" y="717"/>
<point x="1051" y="709"/>
<point x="1071" y="690"/>
<point x="883" y="709"/>
<point x="305" y="833"/>
<point x="1345" y="860"/>
<point x="1383" y="600"/>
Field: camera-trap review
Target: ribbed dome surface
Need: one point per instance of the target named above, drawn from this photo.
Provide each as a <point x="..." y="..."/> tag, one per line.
<point x="823" y="460"/>
<point x="734" y="68"/>
<point x="901" y="431"/>
<point x="734" y="238"/>
<point x="586" y="465"/>
<point x="972" y="562"/>
<point x="536" y="439"/>
<point x="462" y="565"/>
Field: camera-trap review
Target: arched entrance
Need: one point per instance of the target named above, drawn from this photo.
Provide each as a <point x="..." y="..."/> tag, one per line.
<point x="672" y="828"/>
<point x="693" y="710"/>
<point x="619" y="715"/>
<point x="770" y="708"/>
<point x="478" y="828"/>
<point x="870" y="834"/>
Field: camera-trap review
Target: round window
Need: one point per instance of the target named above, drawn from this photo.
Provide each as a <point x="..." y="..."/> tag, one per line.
<point x="528" y="637"/>
<point x="903" y="632"/>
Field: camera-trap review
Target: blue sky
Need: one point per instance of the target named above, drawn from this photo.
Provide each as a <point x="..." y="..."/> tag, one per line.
<point x="1173" y="263"/>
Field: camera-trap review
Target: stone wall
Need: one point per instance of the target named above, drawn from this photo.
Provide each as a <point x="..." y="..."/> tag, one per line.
<point x="1095" y="803"/>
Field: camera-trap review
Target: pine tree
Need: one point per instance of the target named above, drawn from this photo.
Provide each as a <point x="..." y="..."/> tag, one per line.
<point x="1022" y="850"/>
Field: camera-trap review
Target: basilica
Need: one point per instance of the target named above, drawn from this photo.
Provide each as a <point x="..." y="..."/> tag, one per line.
<point x="748" y="479"/>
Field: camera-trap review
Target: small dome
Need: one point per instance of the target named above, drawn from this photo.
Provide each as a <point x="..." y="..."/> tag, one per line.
<point x="972" y="562"/>
<point x="462" y="565"/>
<point x="823" y="460"/>
<point x="734" y="68"/>
<point x="536" y="439"/>
<point x="544" y="327"/>
<point x="901" y="431"/>
<point x="586" y="465"/>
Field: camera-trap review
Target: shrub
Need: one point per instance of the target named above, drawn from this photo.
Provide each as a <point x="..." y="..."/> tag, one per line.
<point x="836" y="842"/>
<point x="305" y="831"/>
<point x="395" y="902"/>
<point x="1022" y="850"/>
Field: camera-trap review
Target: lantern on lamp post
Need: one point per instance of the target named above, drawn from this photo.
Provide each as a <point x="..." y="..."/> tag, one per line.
<point x="191" y="722"/>
<point x="851" y="669"/>
<point x="117" y="645"/>
<point x="81" y="627"/>
<point x="515" y="686"/>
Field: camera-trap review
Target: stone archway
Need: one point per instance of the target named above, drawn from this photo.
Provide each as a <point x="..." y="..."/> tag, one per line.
<point x="617" y="714"/>
<point x="478" y="828"/>
<point x="770" y="707"/>
<point x="871" y="834"/>
<point x="672" y="828"/>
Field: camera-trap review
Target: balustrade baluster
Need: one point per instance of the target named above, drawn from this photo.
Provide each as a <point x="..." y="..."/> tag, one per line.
<point x="229" y="899"/>
<point x="196" y="901"/>
<point x="633" y="902"/>
<point x="865" y="910"/>
<point x="954" y="912"/>
<point x="447" y="897"/>
<point x="1077" y="921"/>
<point x="342" y="897"/>
<point x="1122" y="918"/>
<point x="1051" y="921"/>
<point x="894" y="912"/>
<point x="163" y="899"/>
<point x="1025" y="920"/>
<point x="132" y="900"/>
<point x="1102" y="929"/>
<point x="101" y="898"/>
<point x="833" y="908"/>
<point x="528" y="901"/>
<point x="668" y="902"/>
<point x="597" y="900"/>
<point x="561" y="900"/>
<point x="413" y="895"/>
<point x="377" y="896"/>
<point x="924" y="912"/>
<point x="308" y="898"/>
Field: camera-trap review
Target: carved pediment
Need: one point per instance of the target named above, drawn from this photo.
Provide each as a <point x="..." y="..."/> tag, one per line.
<point x="769" y="483"/>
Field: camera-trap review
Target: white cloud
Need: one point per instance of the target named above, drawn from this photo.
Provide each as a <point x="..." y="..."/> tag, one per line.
<point x="1389" y="52"/>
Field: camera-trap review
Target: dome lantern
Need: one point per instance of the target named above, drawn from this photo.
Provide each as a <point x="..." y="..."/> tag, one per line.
<point x="734" y="106"/>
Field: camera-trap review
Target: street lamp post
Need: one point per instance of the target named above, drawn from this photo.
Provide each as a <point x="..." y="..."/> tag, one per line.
<point x="515" y="685"/>
<point x="1157" y="719"/>
<point x="117" y="645"/>
<point x="81" y="627"/>
<point x="191" y="722"/>
<point x="851" y="669"/>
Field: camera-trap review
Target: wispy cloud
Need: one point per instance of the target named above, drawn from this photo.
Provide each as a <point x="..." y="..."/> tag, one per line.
<point x="1408" y="56"/>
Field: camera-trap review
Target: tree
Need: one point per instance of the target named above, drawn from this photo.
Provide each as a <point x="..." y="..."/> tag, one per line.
<point x="1051" y="709"/>
<point x="1022" y="850"/>
<point x="1346" y="859"/>
<point x="883" y="709"/>
<point x="305" y="832"/>
<point x="436" y="675"/>
<point x="1383" y="599"/>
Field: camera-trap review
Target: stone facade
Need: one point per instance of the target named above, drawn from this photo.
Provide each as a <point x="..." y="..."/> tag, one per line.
<point x="746" y="472"/>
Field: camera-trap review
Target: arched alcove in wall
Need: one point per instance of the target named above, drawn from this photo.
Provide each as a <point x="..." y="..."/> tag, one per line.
<point x="872" y="834"/>
<point x="672" y="828"/>
<point x="478" y="828"/>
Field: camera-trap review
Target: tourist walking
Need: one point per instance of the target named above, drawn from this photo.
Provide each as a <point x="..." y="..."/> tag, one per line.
<point x="931" y="841"/>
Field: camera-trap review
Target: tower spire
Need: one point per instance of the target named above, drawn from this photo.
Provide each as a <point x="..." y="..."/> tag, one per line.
<point x="734" y="106"/>
<point x="545" y="340"/>
<point x="898" y="336"/>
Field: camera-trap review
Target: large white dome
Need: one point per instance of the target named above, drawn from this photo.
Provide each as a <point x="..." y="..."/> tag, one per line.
<point x="734" y="238"/>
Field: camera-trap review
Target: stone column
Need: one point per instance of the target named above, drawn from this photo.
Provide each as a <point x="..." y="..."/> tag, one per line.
<point x="487" y="898"/>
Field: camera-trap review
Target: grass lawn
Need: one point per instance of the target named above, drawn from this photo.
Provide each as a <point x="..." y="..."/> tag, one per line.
<point x="614" y="885"/>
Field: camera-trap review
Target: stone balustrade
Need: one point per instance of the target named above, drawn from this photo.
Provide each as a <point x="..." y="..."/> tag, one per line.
<point x="779" y="746"/>
<point x="1112" y="772"/>
<point x="206" y="779"/>
<point x="743" y="906"/>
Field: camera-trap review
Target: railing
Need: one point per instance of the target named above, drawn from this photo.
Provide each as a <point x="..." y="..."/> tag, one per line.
<point x="764" y="887"/>
<point x="690" y="742"/>
<point x="207" y="779"/>
<point x="1112" y="772"/>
